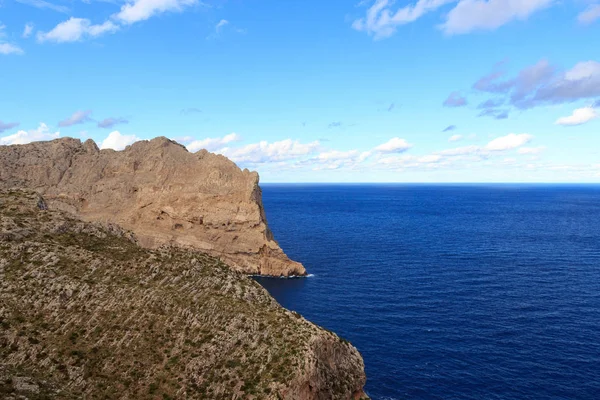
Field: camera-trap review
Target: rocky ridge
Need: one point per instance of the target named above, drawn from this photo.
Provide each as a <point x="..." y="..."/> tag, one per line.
<point x="160" y="191"/>
<point x="87" y="313"/>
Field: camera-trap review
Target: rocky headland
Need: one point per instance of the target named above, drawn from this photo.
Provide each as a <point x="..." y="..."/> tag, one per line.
<point x="158" y="190"/>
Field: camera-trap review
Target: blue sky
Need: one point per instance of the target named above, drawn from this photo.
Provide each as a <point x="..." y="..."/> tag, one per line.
<point x="307" y="91"/>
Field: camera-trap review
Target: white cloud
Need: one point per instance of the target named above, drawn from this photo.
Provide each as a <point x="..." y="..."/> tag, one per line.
<point x="333" y="155"/>
<point x="140" y="10"/>
<point x="264" y="151"/>
<point x="44" y="4"/>
<point x="78" y="117"/>
<point x="459" y="151"/>
<point x="7" y="48"/>
<point x="455" y="138"/>
<point x="394" y="145"/>
<point x="212" y="144"/>
<point x="220" y="25"/>
<point x="382" y="21"/>
<point x="28" y="30"/>
<point x="531" y="150"/>
<point x="116" y="141"/>
<point x="335" y="159"/>
<point x="98" y="30"/>
<point x="579" y="116"/>
<point x="34" y="135"/>
<point x="583" y="70"/>
<point x="218" y="29"/>
<point x="590" y="14"/>
<point x="470" y="15"/>
<point x="75" y="29"/>
<point x="508" y="142"/>
<point x="430" y="158"/>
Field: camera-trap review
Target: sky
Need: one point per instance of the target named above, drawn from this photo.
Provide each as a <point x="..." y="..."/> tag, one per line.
<point x="317" y="91"/>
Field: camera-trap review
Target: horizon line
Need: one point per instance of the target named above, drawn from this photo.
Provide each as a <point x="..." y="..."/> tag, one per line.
<point x="431" y="183"/>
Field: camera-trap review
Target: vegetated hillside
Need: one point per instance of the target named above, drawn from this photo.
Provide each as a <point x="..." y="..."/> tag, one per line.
<point x="87" y="313"/>
<point x="160" y="191"/>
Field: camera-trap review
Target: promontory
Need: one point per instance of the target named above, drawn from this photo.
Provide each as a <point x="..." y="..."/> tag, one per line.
<point x="158" y="190"/>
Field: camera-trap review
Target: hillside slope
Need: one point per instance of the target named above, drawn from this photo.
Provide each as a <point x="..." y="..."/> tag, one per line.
<point x="87" y="313"/>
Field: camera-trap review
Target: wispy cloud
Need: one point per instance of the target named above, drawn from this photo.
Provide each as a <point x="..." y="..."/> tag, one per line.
<point x="531" y="150"/>
<point x="451" y="158"/>
<point x="76" y="29"/>
<point x="78" y="117"/>
<point x="7" y="48"/>
<point x="44" y="5"/>
<point x="473" y="15"/>
<point x="213" y="144"/>
<point x="108" y="123"/>
<point x="590" y="14"/>
<point x="383" y="18"/>
<point x="455" y="100"/>
<point x="491" y="103"/>
<point x="449" y="128"/>
<point x="394" y="154"/>
<point x="492" y="112"/>
<point x="27" y="31"/>
<point x="265" y="152"/>
<point x="8" y="125"/>
<point x="191" y="110"/>
<point x="542" y="83"/>
<point x="219" y="27"/>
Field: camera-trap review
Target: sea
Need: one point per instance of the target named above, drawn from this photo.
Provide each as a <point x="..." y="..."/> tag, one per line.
<point x="450" y="291"/>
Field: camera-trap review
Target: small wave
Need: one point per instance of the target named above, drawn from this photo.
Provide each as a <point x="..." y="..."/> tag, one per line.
<point x="281" y="277"/>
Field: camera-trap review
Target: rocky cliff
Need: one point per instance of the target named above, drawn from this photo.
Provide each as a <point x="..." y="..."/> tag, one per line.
<point x="87" y="313"/>
<point x="160" y="191"/>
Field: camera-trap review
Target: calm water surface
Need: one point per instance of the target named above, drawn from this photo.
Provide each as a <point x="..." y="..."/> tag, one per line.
<point x="450" y="292"/>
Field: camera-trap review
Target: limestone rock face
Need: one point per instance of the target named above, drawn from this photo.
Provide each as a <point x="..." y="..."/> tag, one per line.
<point x="160" y="191"/>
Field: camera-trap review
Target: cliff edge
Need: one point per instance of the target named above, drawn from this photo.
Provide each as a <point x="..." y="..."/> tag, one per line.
<point x="160" y="191"/>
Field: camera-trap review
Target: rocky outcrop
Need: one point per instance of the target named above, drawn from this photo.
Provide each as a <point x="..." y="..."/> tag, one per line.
<point x="87" y="313"/>
<point x="160" y="191"/>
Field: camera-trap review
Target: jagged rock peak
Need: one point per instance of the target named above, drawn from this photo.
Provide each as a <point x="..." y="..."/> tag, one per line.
<point x="160" y="191"/>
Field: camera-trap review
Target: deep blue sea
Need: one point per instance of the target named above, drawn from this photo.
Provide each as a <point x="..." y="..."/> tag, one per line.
<point x="450" y="292"/>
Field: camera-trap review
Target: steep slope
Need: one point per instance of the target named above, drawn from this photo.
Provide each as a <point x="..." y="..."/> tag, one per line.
<point x="159" y="190"/>
<point x="87" y="313"/>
